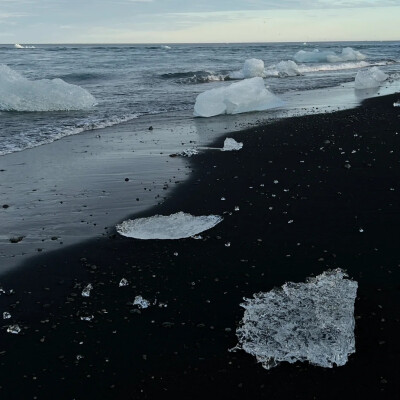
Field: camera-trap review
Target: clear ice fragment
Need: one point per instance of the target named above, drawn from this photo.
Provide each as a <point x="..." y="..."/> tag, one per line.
<point x="86" y="290"/>
<point x="231" y="145"/>
<point x="123" y="282"/>
<point x="141" y="302"/>
<point x="6" y="315"/>
<point x="14" y="329"/>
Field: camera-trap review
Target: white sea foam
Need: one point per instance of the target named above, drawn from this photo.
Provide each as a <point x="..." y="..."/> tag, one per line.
<point x="311" y="321"/>
<point x="20" y="46"/>
<point x="17" y="93"/>
<point x="334" y="67"/>
<point x="315" y="56"/>
<point x="240" y="97"/>
<point x="166" y="47"/>
<point x="176" y="226"/>
<point x="252" y="68"/>
<point x="370" y="78"/>
<point x="231" y="145"/>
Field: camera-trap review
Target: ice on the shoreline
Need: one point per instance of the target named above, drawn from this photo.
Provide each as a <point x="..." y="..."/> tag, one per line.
<point x="189" y="152"/>
<point x="141" y="302"/>
<point x="231" y="145"/>
<point x="370" y="78"/>
<point x="396" y="104"/>
<point x="14" y="329"/>
<point x="175" y="226"/>
<point x="123" y="282"/>
<point x="6" y="315"/>
<point x="18" y="93"/>
<point x="312" y="321"/>
<point x="86" y="291"/>
<point x="347" y="54"/>
<point x="252" y="68"/>
<point x="283" y="69"/>
<point x="239" y="97"/>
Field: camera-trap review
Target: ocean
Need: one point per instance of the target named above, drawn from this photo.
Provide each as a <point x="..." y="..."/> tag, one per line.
<point x="133" y="82"/>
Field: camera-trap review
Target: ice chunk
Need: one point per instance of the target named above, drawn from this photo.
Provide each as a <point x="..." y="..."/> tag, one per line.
<point x="123" y="282"/>
<point x="240" y="97"/>
<point x="347" y="54"/>
<point x="396" y="104"/>
<point x="370" y="78"/>
<point x="231" y="144"/>
<point x="87" y="318"/>
<point x="189" y="152"/>
<point x="17" y="93"/>
<point x="141" y="302"/>
<point x="6" y="315"/>
<point x="86" y="290"/>
<point x="312" y="321"/>
<point x="252" y="68"/>
<point x="283" y="69"/>
<point x="174" y="226"/>
<point x="14" y="329"/>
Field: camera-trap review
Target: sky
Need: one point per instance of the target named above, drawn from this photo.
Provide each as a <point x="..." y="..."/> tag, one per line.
<point x="198" y="21"/>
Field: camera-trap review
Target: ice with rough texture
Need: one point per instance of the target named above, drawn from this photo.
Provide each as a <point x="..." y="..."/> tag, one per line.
<point x="370" y="78"/>
<point x="18" y="93"/>
<point x="14" y="329"/>
<point x="175" y="226"/>
<point x="347" y="54"/>
<point x="86" y="290"/>
<point x="252" y="68"/>
<point x="123" y="282"/>
<point x="6" y="315"/>
<point x="283" y="69"/>
<point x="396" y="104"/>
<point x="239" y="97"/>
<point x="312" y="321"/>
<point x="231" y="145"/>
<point x="141" y="302"/>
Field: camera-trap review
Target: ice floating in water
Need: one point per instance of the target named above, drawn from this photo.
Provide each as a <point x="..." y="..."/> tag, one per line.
<point x="166" y="47"/>
<point x="311" y="321"/>
<point x="252" y="68"/>
<point x="347" y="54"/>
<point x="283" y="69"/>
<point x="370" y="78"/>
<point x="14" y="329"/>
<point x="86" y="290"/>
<point x="175" y="226"/>
<point x="231" y="145"/>
<point x="20" y="94"/>
<point x="240" y="97"/>
<point x="141" y="302"/>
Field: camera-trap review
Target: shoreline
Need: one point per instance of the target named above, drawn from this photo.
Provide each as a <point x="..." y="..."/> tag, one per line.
<point x="184" y="352"/>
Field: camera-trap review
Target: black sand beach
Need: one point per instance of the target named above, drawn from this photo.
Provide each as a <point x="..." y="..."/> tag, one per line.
<point x="337" y="181"/>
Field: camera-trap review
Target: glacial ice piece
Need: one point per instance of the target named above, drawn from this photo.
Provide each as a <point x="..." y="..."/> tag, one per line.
<point x="141" y="302"/>
<point x="347" y="54"/>
<point x="14" y="329"/>
<point x="18" y="93"/>
<point x="175" y="226"/>
<point x="396" y="104"/>
<point x="239" y="97"/>
<point x="86" y="290"/>
<point x="312" y="321"/>
<point x="283" y="69"/>
<point x="252" y="68"/>
<point x="6" y="315"/>
<point x="231" y="145"/>
<point x="123" y="282"/>
<point x="370" y="78"/>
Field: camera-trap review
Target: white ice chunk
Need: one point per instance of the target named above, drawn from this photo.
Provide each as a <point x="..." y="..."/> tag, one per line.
<point x="6" y="315"/>
<point x="370" y="78"/>
<point x="252" y="68"/>
<point x="283" y="69"/>
<point x="396" y="104"/>
<point x="18" y="93"/>
<point x="86" y="290"/>
<point x="231" y="145"/>
<point x="312" y="321"/>
<point x="240" y="97"/>
<point x="141" y="302"/>
<point x="189" y="152"/>
<point x="14" y="329"/>
<point x="174" y="226"/>
<point x="347" y="54"/>
<point x="123" y="282"/>
<point x="312" y="56"/>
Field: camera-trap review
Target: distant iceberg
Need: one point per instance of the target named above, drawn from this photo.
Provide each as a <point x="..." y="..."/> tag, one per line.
<point x="370" y="78"/>
<point x="252" y="68"/>
<point x="312" y="321"/>
<point x="176" y="226"/>
<point x="17" y="93"/>
<point x="240" y="97"/>
<point x="317" y="56"/>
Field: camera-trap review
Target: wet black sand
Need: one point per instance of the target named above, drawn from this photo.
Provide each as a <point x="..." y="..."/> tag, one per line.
<point x="345" y="210"/>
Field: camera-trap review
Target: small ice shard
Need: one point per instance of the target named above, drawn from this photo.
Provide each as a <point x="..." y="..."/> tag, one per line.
<point x="6" y="315"/>
<point x="86" y="290"/>
<point x="189" y="152"/>
<point x="231" y="145"/>
<point x="123" y="282"/>
<point x="312" y="321"/>
<point x="370" y="78"/>
<point x="240" y="97"/>
<point x="88" y="318"/>
<point x="252" y="68"/>
<point x="175" y="226"/>
<point x="396" y="104"/>
<point x="141" y="302"/>
<point x="14" y="329"/>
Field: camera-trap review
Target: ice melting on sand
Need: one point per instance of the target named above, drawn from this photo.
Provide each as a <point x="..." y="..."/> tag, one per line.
<point x="174" y="226"/>
<point x="312" y="321"/>
<point x="370" y="78"/>
<point x="240" y="97"/>
<point x="231" y="145"/>
<point x="347" y="54"/>
<point x="251" y="69"/>
<point x="18" y="93"/>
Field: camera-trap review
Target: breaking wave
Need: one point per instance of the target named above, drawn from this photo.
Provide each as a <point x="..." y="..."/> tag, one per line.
<point x="195" y="77"/>
<point x="18" y="93"/>
<point x="20" y="46"/>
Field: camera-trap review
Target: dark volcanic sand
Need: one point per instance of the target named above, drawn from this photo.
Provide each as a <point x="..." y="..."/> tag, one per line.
<point x="181" y="351"/>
